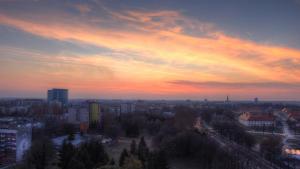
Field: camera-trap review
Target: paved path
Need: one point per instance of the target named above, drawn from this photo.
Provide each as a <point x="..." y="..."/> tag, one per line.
<point x="286" y="130"/>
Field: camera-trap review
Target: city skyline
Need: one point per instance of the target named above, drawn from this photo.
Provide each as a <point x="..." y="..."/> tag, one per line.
<point x="151" y="50"/>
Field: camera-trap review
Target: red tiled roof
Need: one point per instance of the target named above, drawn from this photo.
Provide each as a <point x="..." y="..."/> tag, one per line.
<point x="257" y="116"/>
<point x="294" y="114"/>
<point x="261" y="118"/>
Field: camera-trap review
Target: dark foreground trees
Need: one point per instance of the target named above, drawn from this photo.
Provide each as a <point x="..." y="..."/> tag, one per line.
<point x="39" y="156"/>
<point x="132" y="163"/>
<point x="142" y="157"/>
<point x="185" y="118"/>
<point x="66" y="153"/>
<point x="157" y="160"/>
<point x="123" y="157"/>
<point x="205" y="152"/>
<point x="271" y="148"/>
<point x="88" y="155"/>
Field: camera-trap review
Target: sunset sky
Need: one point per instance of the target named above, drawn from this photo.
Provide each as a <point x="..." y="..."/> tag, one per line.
<point x="151" y="49"/>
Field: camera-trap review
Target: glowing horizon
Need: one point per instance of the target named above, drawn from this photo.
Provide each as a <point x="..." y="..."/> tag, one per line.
<point x="97" y="50"/>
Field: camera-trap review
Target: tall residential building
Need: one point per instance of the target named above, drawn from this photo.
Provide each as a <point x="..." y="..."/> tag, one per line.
<point x="94" y="112"/>
<point x="58" y="95"/>
<point x="15" y="140"/>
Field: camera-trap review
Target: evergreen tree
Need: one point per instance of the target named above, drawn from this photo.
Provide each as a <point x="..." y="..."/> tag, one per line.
<point x="143" y="151"/>
<point x="83" y="156"/>
<point x="109" y="167"/>
<point x="65" y="154"/>
<point x="76" y="164"/>
<point x="157" y="160"/>
<point x="132" y="163"/>
<point x="112" y="162"/>
<point x="40" y="154"/>
<point x="151" y="161"/>
<point x="96" y="152"/>
<point x="71" y="136"/>
<point x="133" y="147"/>
<point x="123" y="157"/>
<point x="161" y="160"/>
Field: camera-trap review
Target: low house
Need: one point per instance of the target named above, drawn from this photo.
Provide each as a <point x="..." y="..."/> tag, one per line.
<point x="253" y="119"/>
<point x="294" y="116"/>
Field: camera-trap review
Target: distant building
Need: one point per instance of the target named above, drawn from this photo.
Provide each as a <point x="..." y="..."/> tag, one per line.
<point x="114" y="108"/>
<point x="127" y="108"/>
<point x="255" y="100"/>
<point x="18" y="109"/>
<point x="27" y="102"/>
<point x="77" y="115"/>
<point x="253" y="119"/>
<point x="168" y="114"/>
<point x="15" y="140"/>
<point x="293" y="152"/>
<point x="94" y="112"/>
<point x="58" y="95"/>
<point x="141" y="106"/>
<point x="227" y="99"/>
<point x="293" y="116"/>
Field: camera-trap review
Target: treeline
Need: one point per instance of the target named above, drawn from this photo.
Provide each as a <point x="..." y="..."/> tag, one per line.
<point x="39" y="156"/>
<point x="53" y="128"/>
<point x="42" y="155"/>
<point x="91" y="155"/>
<point x="131" y="125"/>
<point x="271" y="149"/>
<point x="88" y="155"/>
<point x="234" y="132"/>
<point x="137" y="124"/>
<point x="190" y="145"/>
<point x="179" y="140"/>
<point x="226" y="124"/>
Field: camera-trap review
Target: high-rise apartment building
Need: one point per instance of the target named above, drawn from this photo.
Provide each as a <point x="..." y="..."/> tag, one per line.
<point x="94" y="112"/>
<point x="58" y="95"/>
<point x="15" y="140"/>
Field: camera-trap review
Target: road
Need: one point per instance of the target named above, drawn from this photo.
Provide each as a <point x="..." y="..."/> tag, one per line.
<point x="287" y="133"/>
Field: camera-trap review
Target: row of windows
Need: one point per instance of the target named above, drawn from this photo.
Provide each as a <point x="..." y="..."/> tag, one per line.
<point x="8" y="138"/>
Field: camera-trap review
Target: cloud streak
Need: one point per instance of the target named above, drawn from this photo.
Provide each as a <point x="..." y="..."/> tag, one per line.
<point x="237" y="85"/>
<point x="153" y="47"/>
